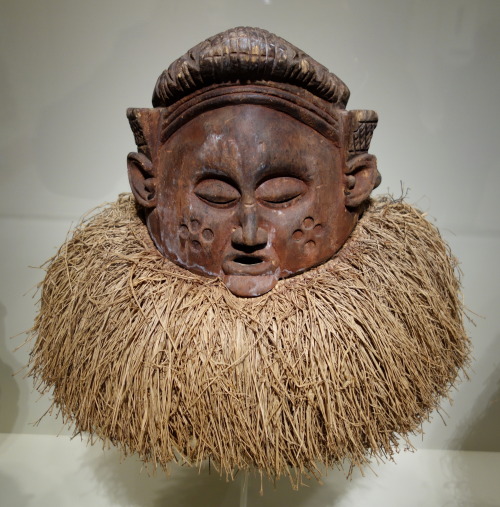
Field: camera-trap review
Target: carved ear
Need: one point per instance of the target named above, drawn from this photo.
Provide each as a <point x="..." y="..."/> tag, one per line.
<point x="142" y="179"/>
<point x="362" y="177"/>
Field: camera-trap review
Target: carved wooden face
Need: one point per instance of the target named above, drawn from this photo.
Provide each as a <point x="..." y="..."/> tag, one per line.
<point x="249" y="194"/>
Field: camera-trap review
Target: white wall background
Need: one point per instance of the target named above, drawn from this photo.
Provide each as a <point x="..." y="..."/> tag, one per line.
<point x="430" y="68"/>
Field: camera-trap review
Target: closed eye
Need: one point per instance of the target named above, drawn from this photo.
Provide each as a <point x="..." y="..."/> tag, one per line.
<point x="280" y="192"/>
<point x="217" y="193"/>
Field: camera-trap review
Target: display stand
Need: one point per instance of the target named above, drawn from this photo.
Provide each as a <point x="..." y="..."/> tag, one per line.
<point x="244" y="489"/>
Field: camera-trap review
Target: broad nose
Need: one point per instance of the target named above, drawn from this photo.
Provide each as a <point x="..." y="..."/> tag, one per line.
<point x="249" y="234"/>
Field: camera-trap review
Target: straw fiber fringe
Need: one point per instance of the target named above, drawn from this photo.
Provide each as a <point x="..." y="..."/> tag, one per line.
<point x="333" y="364"/>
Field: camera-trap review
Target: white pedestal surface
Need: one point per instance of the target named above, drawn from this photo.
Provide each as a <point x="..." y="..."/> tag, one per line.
<point x="44" y="470"/>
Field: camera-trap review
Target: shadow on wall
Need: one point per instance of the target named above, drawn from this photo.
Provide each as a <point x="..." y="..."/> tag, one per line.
<point x="125" y="483"/>
<point x="9" y="389"/>
<point x="481" y="431"/>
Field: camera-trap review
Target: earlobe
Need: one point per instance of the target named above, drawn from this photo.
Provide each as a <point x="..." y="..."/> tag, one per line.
<point x="361" y="177"/>
<point x="142" y="179"/>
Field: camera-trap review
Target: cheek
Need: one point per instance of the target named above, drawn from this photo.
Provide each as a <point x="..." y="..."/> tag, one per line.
<point x="195" y="234"/>
<point x="301" y="237"/>
<point x="298" y="226"/>
<point x="309" y="234"/>
<point x="187" y="232"/>
<point x="203" y="235"/>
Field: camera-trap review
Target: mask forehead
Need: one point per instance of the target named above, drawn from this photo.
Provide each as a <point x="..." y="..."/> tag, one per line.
<point x="247" y="144"/>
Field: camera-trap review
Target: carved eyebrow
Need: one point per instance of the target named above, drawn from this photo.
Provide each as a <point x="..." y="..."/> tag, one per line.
<point x="210" y="172"/>
<point x="293" y="169"/>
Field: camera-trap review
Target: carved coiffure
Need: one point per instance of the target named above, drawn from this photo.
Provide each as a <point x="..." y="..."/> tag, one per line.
<point x="242" y="92"/>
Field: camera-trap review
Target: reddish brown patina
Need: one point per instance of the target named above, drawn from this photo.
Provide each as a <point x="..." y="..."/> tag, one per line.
<point x="249" y="166"/>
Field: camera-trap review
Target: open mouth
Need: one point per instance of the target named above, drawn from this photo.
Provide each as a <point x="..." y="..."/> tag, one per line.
<point x="249" y="274"/>
<point x="247" y="260"/>
<point x="249" y="265"/>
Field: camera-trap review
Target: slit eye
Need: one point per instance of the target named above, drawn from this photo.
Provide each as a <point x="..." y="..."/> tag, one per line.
<point x="217" y="193"/>
<point x="280" y="192"/>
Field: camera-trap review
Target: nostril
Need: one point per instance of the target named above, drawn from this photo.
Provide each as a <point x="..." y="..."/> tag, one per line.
<point x="248" y="243"/>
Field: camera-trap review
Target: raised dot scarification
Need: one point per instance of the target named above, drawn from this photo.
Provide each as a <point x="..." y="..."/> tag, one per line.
<point x="309" y="246"/>
<point x="194" y="225"/>
<point x="297" y="235"/>
<point x="308" y="223"/>
<point x="195" y="234"/>
<point x="207" y="235"/>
